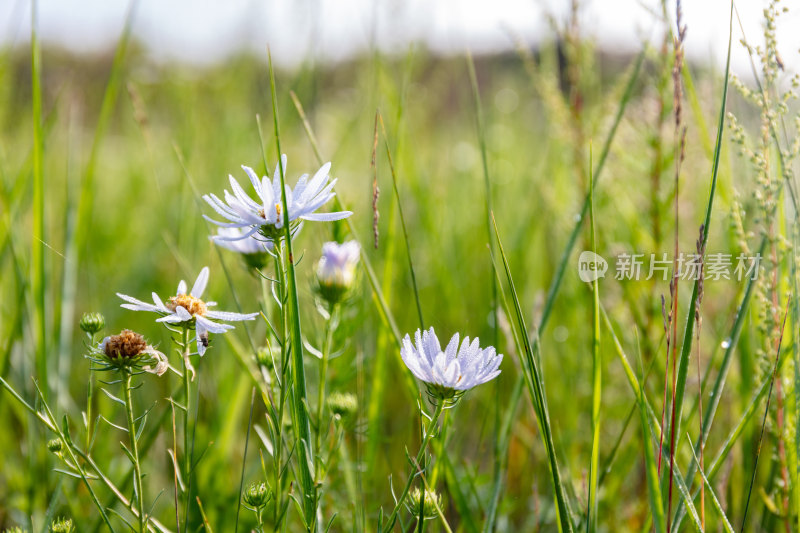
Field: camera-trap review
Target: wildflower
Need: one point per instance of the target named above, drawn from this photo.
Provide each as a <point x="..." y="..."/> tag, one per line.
<point x="129" y="350"/>
<point x="266" y="216"/>
<point x="254" y="250"/>
<point x="450" y="372"/>
<point x="428" y="500"/>
<point x="187" y="310"/>
<point x="91" y="323"/>
<point x="343" y="404"/>
<point x="257" y="495"/>
<point x="62" y="525"/>
<point x="336" y="269"/>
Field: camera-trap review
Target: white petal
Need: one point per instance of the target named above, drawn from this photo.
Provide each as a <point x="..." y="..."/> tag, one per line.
<point x="181" y="287"/>
<point x="327" y="217"/>
<point x="231" y="317"/>
<point x="253" y="178"/>
<point x="137" y="305"/>
<point x="213" y="327"/>
<point x="200" y="283"/>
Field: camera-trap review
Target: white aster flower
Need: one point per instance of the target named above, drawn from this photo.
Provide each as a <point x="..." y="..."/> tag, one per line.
<point x="336" y="269"/>
<point x="450" y="372"/>
<point x="265" y="214"/>
<point x="186" y="309"/>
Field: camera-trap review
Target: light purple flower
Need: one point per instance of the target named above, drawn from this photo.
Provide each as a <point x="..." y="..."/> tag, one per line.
<point x="265" y="214"/>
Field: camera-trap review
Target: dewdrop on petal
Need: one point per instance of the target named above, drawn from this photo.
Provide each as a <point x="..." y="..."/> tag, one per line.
<point x="91" y="323"/>
<point x="449" y="373"/>
<point x="428" y="499"/>
<point x="336" y="269"/>
<point x="62" y="525"/>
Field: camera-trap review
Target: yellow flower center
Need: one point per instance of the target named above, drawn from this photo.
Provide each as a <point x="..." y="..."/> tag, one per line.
<point x="278" y="209"/>
<point x="195" y="306"/>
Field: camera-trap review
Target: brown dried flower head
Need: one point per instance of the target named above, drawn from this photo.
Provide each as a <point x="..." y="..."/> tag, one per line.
<point x="127" y="345"/>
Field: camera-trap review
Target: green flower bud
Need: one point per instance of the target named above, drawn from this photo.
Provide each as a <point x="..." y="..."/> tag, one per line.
<point x="429" y="500"/>
<point x="55" y="446"/>
<point x="343" y="404"/>
<point x="62" y="525"/>
<point x="256" y="495"/>
<point x="91" y="323"/>
<point x="264" y="357"/>
<point x="14" y="530"/>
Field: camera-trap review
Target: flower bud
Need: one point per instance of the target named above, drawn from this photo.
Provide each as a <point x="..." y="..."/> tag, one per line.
<point x="336" y="269"/>
<point x="55" y="446"/>
<point x="264" y="357"/>
<point x="428" y="499"/>
<point x="256" y="495"/>
<point x="343" y="404"/>
<point x="91" y="323"/>
<point x="62" y="525"/>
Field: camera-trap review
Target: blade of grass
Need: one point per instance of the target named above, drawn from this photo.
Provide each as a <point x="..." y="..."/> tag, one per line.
<point x="714" y="500"/>
<point x="379" y="118"/>
<point x="38" y="280"/>
<point x="538" y="397"/>
<point x="302" y="425"/>
<point x="561" y="268"/>
<point x="766" y="412"/>
<point x="686" y="348"/>
<point x="597" y="373"/>
<point x="651" y="467"/>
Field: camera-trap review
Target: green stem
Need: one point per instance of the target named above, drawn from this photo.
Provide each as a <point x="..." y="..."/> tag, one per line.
<point x="89" y="400"/>
<point x="187" y="460"/>
<point x="420" y="455"/>
<point x="323" y="372"/>
<point x="135" y="451"/>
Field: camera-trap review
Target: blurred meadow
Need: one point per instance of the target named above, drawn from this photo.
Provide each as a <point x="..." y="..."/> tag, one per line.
<point x="103" y="162"/>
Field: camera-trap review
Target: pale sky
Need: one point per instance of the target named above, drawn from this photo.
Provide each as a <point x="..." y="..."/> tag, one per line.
<point x="204" y="31"/>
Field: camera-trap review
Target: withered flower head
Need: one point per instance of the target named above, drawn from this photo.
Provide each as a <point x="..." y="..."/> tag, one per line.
<point x="130" y="350"/>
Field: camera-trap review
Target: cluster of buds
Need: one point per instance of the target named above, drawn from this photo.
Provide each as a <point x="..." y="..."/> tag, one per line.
<point x="336" y="270"/>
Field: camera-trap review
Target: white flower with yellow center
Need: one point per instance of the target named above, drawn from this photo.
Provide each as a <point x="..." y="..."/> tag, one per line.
<point x="450" y="372"/>
<point x="186" y="309"/>
<point x="265" y="215"/>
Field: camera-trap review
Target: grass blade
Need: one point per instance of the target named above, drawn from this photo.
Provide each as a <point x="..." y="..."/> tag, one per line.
<point x="597" y="374"/>
<point x="302" y="425"/>
<point x="538" y="397"/>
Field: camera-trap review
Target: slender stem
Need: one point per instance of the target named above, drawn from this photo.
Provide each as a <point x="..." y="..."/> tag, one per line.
<point x="323" y="371"/>
<point x="89" y="401"/>
<point x="134" y="450"/>
<point x="187" y="460"/>
<point x="420" y="455"/>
